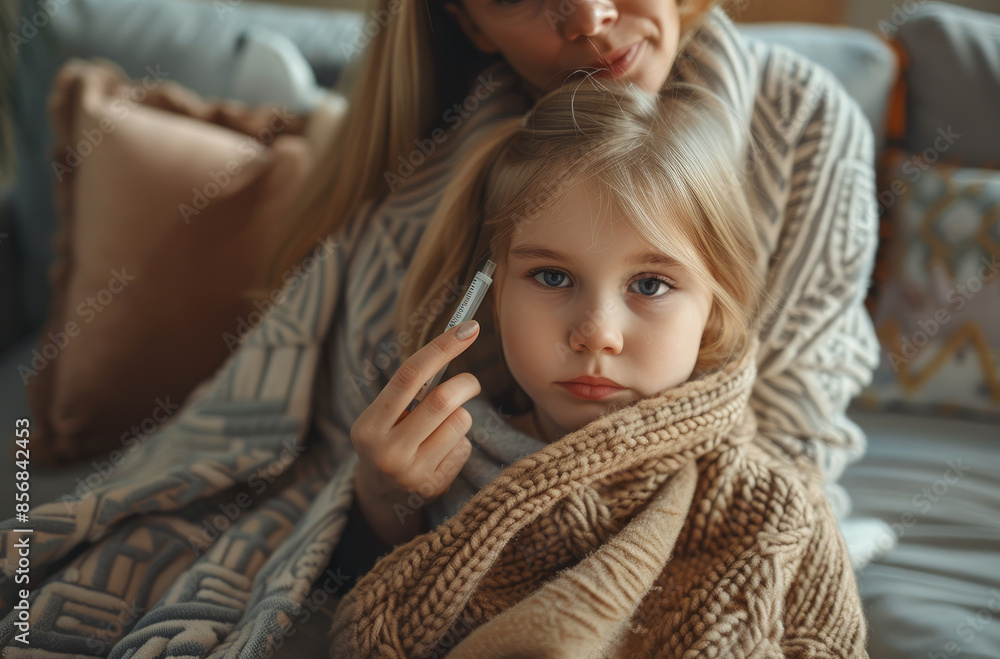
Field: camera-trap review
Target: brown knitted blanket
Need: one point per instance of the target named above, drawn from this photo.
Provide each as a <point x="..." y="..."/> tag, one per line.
<point x="658" y="530"/>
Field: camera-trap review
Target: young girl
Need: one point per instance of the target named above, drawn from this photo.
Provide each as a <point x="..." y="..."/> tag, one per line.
<point x="623" y="304"/>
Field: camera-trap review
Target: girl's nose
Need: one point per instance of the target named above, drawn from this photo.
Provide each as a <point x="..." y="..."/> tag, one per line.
<point x="597" y="332"/>
<point x="587" y="18"/>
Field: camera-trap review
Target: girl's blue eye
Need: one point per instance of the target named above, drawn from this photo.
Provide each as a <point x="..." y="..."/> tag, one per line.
<point x="551" y="278"/>
<point x="646" y="286"/>
<point x="651" y="286"/>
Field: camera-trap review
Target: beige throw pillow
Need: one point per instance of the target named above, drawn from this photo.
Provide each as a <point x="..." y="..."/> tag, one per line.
<point x="170" y="206"/>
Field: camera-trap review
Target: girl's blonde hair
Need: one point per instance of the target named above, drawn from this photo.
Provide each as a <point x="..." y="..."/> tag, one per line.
<point x="670" y="162"/>
<point x="418" y="64"/>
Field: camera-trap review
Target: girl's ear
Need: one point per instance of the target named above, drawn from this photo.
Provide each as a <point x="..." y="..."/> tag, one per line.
<point x="469" y="27"/>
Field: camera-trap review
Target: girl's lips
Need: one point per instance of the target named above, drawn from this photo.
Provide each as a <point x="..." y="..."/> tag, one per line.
<point x="617" y="67"/>
<point x="589" y="391"/>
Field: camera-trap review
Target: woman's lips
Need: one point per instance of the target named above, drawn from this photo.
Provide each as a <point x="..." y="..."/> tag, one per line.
<point x="617" y="67"/>
<point x="590" y="391"/>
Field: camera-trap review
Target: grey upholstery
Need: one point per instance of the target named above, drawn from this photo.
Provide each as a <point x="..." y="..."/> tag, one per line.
<point x="953" y="81"/>
<point x="13" y="324"/>
<point x="936" y="482"/>
<point x="195" y="44"/>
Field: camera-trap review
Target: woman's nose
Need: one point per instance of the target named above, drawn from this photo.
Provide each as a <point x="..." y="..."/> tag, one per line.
<point x="587" y="18"/>
<point x="598" y="332"/>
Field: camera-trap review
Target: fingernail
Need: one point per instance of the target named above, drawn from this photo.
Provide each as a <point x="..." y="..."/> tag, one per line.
<point x="467" y="329"/>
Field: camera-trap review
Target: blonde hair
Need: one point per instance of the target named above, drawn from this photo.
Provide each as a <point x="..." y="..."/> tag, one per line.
<point x="418" y="63"/>
<point x="670" y="161"/>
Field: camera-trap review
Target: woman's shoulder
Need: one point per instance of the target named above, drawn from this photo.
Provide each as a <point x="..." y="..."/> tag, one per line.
<point x="794" y="92"/>
<point x="773" y="81"/>
<point x="778" y="89"/>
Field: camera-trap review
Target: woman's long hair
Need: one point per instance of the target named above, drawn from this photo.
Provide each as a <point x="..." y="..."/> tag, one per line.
<point x="418" y="63"/>
<point x="670" y="161"/>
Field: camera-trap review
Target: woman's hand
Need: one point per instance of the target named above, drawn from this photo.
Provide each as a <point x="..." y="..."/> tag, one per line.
<point x="421" y="451"/>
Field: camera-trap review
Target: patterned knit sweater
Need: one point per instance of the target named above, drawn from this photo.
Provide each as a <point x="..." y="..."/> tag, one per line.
<point x="212" y="538"/>
<point x="659" y="530"/>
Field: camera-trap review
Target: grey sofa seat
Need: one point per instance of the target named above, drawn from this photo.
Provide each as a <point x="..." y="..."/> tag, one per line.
<point x="936" y="482"/>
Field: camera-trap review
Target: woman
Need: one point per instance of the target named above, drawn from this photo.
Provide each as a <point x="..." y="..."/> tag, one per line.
<point x="215" y="536"/>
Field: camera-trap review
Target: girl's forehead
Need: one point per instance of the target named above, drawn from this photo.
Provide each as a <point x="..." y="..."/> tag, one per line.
<point x="580" y="238"/>
<point x="585" y="215"/>
<point x="590" y="223"/>
<point x="594" y="215"/>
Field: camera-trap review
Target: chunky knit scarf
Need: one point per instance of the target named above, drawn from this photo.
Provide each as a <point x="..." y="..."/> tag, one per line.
<point x="656" y="530"/>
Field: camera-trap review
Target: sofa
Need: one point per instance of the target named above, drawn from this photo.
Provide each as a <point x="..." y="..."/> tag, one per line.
<point x="929" y="482"/>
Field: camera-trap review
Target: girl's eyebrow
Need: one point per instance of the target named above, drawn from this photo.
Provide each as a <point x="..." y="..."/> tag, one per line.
<point x="537" y="252"/>
<point x="638" y="258"/>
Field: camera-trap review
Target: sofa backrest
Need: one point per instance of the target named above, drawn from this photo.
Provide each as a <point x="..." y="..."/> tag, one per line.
<point x="196" y="44"/>
<point x="952" y="80"/>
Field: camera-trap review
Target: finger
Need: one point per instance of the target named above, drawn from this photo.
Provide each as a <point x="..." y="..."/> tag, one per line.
<point x="449" y="468"/>
<point x="433" y="450"/>
<point x="420" y="367"/>
<point x="436" y="407"/>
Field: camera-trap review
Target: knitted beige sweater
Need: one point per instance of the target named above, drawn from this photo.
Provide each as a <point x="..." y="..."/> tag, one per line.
<point x="658" y="530"/>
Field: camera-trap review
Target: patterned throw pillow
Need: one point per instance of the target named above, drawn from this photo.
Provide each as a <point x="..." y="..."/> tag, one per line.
<point x="938" y="309"/>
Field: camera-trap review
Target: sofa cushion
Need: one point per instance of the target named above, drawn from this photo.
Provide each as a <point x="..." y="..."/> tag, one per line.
<point x="936" y="484"/>
<point x="952" y="79"/>
<point x="196" y="44"/>
<point x="938" y="308"/>
<point x="170" y="208"/>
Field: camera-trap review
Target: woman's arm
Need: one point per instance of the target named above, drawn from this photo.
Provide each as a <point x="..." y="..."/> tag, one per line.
<point x="818" y="345"/>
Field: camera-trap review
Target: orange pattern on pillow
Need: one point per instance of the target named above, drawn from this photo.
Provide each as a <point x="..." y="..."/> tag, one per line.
<point x="937" y="313"/>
